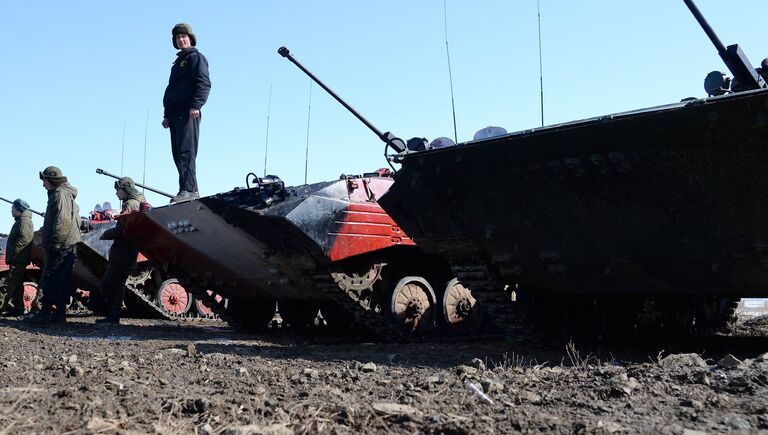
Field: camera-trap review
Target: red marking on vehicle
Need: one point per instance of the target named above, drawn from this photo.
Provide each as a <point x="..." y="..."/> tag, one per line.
<point x="365" y="227"/>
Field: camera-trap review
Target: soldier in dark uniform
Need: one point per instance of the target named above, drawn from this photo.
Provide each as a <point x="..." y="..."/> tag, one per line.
<point x="763" y="69"/>
<point x="122" y="254"/>
<point x="61" y="231"/>
<point x="18" y="255"/>
<point x="187" y="92"/>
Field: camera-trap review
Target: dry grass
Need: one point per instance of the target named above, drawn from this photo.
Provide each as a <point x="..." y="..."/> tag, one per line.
<point x="578" y="361"/>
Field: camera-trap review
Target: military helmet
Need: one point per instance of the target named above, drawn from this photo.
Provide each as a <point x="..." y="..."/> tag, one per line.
<point x="20" y="205"/>
<point x="53" y="174"/>
<point x="125" y="182"/>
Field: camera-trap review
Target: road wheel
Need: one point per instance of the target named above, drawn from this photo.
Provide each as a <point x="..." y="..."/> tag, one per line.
<point x="412" y="306"/>
<point x="203" y="309"/>
<point x="173" y="297"/>
<point x="30" y="294"/>
<point x="461" y="312"/>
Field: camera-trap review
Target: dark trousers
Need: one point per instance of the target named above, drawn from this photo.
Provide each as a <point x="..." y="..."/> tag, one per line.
<point x="185" y="134"/>
<point x="113" y="285"/>
<point x="57" y="283"/>
<point x="12" y="289"/>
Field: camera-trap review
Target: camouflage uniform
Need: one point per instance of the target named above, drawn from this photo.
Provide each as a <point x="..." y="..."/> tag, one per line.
<point x="17" y="256"/>
<point x="122" y="253"/>
<point x="61" y="231"/>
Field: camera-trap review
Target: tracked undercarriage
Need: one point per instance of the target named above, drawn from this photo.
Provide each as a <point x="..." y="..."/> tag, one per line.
<point x="149" y="293"/>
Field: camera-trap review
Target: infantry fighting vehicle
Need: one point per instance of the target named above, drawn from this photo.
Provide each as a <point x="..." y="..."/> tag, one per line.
<point x="654" y="217"/>
<point x="324" y="247"/>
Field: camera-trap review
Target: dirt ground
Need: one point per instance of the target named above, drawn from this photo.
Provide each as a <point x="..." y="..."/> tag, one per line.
<point x="192" y="377"/>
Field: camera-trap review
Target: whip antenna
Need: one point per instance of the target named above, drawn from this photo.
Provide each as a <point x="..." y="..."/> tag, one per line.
<point x="266" y="142"/>
<point x="306" y="154"/>
<point x="144" y="171"/>
<point x="541" y="69"/>
<point x="122" y="150"/>
<point x="450" y="75"/>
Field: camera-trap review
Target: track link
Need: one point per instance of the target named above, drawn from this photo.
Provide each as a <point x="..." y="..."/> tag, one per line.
<point x="507" y="316"/>
<point x="359" y="312"/>
<point x="364" y="314"/>
<point x="138" y="298"/>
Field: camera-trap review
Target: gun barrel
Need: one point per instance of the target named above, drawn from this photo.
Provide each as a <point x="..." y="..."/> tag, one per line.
<point x="33" y="211"/>
<point x="388" y="138"/>
<point x="117" y="177"/>
<point x="734" y="58"/>
<point x="707" y="28"/>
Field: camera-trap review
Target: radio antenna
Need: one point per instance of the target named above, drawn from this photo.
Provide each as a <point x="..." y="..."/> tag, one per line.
<point x="266" y="142"/>
<point x="144" y="171"/>
<point x="122" y="150"/>
<point x="450" y="75"/>
<point x="541" y="69"/>
<point x="306" y="153"/>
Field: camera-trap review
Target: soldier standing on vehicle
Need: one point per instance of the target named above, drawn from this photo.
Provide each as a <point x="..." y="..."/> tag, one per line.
<point x="187" y="92"/>
<point x="18" y="255"/>
<point x="61" y="231"/>
<point x="122" y="254"/>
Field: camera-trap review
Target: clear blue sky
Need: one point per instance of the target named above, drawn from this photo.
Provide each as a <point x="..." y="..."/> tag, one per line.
<point x="75" y="72"/>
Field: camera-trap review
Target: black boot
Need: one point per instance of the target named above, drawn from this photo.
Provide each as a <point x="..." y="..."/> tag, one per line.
<point x="113" y="318"/>
<point x="43" y="317"/>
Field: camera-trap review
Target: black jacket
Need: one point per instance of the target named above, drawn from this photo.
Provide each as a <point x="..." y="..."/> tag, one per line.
<point x="189" y="84"/>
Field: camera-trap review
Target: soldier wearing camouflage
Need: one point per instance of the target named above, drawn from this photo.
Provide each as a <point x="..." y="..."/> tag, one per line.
<point x="18" y="255"/>
<point x="61" y="231"/>
<point x="122" y="254"/>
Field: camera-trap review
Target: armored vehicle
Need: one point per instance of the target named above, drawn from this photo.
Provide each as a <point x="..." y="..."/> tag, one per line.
<point x="325" y="247"/>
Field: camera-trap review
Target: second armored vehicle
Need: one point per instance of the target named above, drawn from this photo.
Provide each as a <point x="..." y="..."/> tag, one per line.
<point x="325" y="246"/>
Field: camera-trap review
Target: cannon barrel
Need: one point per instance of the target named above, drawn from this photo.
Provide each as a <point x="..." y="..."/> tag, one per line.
<point x="734" y="58"/>
<point x="117" y="177"/>
<point x="33" y="211"/>
<point x="388" y="138"/>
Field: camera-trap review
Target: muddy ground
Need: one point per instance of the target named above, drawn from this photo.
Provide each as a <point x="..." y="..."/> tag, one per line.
<point x="168" y="377"/>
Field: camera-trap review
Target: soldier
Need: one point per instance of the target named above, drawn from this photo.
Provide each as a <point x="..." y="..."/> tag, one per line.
<point x="763" y="69"/>
<point x="18" y="255"/>
<point x="61" y="231"/>
<point x="122" y="254"/>
<point x="187" y="91"/>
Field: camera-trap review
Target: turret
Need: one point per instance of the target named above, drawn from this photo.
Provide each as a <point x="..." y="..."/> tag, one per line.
<point x="745" y="77"/>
